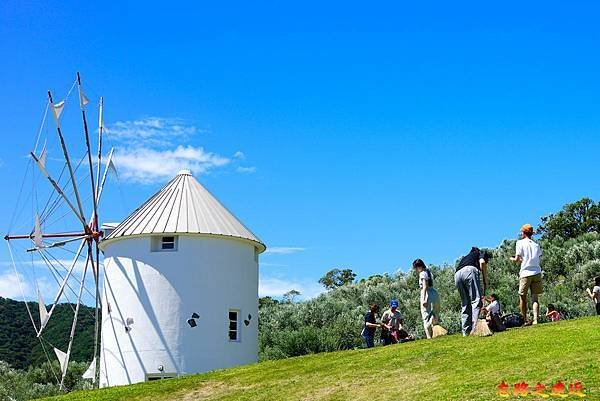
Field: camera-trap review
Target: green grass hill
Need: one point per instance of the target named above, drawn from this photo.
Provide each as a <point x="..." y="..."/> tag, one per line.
<point x="446" y="368"/>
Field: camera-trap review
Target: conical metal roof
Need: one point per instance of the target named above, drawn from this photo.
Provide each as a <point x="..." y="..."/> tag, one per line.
<point x="184" y="206"/>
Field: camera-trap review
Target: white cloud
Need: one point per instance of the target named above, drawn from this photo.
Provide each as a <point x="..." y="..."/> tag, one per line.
<point x="152" y="131"/>
<point x="9" y="286"/>
<point x="272" y="264"/>
<point x="62" y="264"/>
<point x="154" y="149"/>
<point x="146" y="165"/>
<point x="276" y="287"/>
<point x="246" y="170"/>
<point x="37" y="274"/>
<point x="284" y="250"/>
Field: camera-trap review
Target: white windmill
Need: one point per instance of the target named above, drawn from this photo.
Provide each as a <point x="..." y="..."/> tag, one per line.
<point x="180" y="291"/>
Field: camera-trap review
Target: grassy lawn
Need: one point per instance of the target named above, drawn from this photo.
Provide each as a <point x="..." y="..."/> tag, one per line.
<point x="447" y="368"/>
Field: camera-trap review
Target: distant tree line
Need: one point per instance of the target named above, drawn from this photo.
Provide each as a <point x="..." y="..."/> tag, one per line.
<point x="25" y="370"/>
<point x="20" y="347"/>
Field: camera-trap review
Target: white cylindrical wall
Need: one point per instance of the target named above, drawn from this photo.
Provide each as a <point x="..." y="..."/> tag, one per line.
<point x="160" y="290"/>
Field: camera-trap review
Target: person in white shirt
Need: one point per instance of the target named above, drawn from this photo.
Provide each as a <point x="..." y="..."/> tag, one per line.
<point x="595" y="294"/>
<point x="429" y="299"/>
<point x="494" y="306"/>
<point x="528" y="254"/>
<point x="494" y="309"/>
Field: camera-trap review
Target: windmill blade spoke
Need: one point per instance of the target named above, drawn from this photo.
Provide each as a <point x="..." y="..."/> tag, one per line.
<point x="74" y="325"/>
<point x="58" y="189"/>
<point x="89" y="152"/>
<point x="68" y="160"/>
<point x="58" y="262"/>
<point x="64" y="282"/>
<point x="12" y="258"/>
<point x="100" y="132"/>
<point x="108" y="164"/>
<point x="58" y="202"/>
<point x="59" y="244"/>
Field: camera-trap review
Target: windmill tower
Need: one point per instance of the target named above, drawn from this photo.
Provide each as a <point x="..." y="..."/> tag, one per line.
<point x="180" y="288"/>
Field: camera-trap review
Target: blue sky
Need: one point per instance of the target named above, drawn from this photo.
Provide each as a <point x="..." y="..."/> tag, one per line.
<point x="343" y="134"/>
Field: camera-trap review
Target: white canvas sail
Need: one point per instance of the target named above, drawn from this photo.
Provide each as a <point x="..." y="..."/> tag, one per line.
<point x="90" y="373"/>
<point x="111" y="167"/>
<point x="62" y="359"/>
<point x="57" y="109"/>
<point x="42" y="158"/>
<point x="83" y="100"/>
<point x="38" y="239"/>
<point x="43" y="311"/>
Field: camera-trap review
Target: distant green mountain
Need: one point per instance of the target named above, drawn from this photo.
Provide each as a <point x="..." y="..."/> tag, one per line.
<point x="19" y="345"/>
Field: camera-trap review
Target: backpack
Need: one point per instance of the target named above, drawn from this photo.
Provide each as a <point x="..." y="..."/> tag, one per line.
<point x="429" y="278"/>
<point x="495" y="324"/>
<point x="513" y="320"/>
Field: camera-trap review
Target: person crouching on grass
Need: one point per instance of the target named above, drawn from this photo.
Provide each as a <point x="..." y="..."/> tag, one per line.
<point x="368" y="331"/>
<point x="391" y="324"/>
<point x="552" y="313"/>
<point x="429" y="299"/>
<point x="528" y="254"/>
<point x="493" y="311"/>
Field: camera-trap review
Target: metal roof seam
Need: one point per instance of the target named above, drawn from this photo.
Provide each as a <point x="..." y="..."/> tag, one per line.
<point x="163" y="202"/>
<point x="145" y="210"/>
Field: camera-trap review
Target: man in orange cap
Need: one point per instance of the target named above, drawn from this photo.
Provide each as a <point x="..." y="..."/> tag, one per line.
<point x="528" y="254"/>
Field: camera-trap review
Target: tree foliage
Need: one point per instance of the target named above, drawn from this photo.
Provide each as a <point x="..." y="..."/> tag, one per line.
<point x="573" y="220"/>
<point x="40" y="381"/>
<point x="335" y="278"/>
<point x="289" y="296"/>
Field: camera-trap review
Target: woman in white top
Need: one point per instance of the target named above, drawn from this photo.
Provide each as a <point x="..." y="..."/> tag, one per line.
<point x="595" y="294"/>
<point x="429" y="299"/>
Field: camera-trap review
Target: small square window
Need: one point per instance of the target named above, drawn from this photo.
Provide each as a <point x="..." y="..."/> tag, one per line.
<point x="234" y="325"/>
<point x="164" y="243"/>
<point x="168" y="243"/>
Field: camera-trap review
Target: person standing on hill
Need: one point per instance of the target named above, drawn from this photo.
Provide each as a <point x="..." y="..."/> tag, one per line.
<point x="468" y="282"/>
<point x="370" y="326"/>
<point x="528" y="254"/>
<point x="595" y="294"/>
<point x="429" y="299"/>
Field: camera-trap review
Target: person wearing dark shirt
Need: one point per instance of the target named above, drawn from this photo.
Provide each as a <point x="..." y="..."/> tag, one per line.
<point x="370" y="326"/>
<point x="468" y="282"/>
